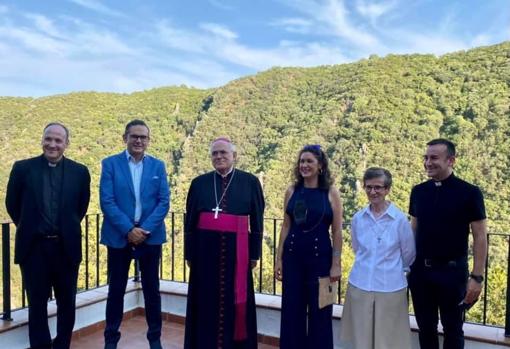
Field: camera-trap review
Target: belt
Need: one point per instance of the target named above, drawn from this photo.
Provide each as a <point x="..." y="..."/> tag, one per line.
<point x="434" y="263"/>
<point x="49" y="237"/>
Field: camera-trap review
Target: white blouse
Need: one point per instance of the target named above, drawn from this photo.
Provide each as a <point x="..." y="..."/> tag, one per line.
<point x="384" y="249"/>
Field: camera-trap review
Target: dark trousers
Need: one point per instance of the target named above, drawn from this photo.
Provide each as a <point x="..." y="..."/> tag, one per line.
<point x="119" y="260"/>
<point x="46" y="267"/>
<point x="439" y="288"/>
<point x="303" y="324"/>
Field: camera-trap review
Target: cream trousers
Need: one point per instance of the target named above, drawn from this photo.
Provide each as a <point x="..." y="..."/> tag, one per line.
<point x="375" y="320"/>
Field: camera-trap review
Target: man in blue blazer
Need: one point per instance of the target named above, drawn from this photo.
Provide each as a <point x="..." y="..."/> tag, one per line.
<point x="134" y="197"/>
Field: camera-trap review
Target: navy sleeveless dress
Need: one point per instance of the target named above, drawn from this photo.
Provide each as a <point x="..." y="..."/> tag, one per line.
<point x="307" y="255"/>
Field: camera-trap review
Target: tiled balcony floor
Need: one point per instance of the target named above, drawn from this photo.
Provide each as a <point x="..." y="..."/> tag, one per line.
<point x="133" y="336"/>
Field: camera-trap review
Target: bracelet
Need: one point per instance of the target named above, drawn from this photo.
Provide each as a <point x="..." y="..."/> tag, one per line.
<point x="336" y="253"/>
<point x="477" y="278"/>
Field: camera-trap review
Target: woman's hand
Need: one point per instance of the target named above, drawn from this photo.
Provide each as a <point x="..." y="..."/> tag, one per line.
<point x="335" y="273"/>
<point x="278" y="270"/>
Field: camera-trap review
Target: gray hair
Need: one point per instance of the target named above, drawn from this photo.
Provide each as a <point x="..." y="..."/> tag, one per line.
<point x="232" y="146"/>
<point x="377" y="172"/>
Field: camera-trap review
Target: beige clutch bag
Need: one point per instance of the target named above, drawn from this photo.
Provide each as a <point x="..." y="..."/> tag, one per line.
<point x="327" y="292"/>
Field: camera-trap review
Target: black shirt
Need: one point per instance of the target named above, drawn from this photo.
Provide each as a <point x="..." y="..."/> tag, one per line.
<point x="52" y="190"/>
<point x="444" y="211"/>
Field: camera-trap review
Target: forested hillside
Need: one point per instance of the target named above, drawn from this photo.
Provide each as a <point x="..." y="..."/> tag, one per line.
<point x="378" y="111"/>
<point x="96" y="122"/>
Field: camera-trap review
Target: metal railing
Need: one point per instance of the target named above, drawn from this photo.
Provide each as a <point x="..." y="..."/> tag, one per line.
<point x="173" y="267"/>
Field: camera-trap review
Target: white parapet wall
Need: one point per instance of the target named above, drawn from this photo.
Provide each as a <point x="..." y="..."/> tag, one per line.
<point x="91" y="310"/>
<point x="268" y="318"/>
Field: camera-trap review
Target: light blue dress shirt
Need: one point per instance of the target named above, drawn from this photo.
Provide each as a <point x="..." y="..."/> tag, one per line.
<point x="136" y="169"/>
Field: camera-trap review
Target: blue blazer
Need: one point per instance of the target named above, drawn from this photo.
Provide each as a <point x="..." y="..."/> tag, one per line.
<point x="117" y="199"/>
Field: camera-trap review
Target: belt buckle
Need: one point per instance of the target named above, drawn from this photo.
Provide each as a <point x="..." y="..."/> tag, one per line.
<point x="427" y="262"/>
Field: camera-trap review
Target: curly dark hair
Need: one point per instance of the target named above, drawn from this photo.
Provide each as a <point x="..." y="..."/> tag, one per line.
<point x="325" y="180"/>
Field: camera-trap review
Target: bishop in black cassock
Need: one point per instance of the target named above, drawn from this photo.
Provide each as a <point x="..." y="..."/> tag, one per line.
<point x="223" y="236"/>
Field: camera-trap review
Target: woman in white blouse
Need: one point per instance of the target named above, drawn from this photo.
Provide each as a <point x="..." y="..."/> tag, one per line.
<point x="376" y="311"/>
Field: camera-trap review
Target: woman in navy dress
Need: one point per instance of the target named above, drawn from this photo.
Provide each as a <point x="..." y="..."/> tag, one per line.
<point x="305" y="252"/>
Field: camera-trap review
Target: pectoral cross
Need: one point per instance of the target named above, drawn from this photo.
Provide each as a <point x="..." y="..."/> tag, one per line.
<point x="216" y="210"/>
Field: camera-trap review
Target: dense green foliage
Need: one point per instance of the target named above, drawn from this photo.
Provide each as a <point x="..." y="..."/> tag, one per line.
<point x="378" y="111"/>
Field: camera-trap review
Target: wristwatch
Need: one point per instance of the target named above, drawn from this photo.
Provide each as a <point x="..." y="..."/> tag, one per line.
<point x="477" y="278"/>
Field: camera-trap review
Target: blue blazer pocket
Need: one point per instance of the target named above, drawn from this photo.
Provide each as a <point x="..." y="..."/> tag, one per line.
<point x="152" y="186"/>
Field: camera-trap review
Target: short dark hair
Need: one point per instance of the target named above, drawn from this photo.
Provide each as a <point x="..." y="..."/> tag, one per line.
<point x="377" y="172"/>
<point x="55" y="123"/>
<point x="135" y="122"/>
<point x="450" y="147"/>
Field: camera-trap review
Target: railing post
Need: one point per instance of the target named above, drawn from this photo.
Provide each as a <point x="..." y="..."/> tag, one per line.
<point x="261" y="263"/>
<point x="485" y="284"/>
<point x="137" y="271"/>
<point x="86" y="252"/>
<point x="6" y="272"/>
<point x="161" y="263"/>
<point x="184" y="246"/>
<point x="507" y="312"/>
<point x="173" y="247"/>
<point x="23" y="294"/>
<point x="274" y="255"/>
<point x="97" y="250"/>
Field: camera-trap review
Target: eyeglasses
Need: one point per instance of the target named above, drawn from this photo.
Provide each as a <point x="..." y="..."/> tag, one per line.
<point x="141" y="138"/>
<point x="376" y="188"/>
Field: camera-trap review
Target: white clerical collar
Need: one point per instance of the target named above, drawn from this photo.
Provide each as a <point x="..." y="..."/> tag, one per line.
<point x="55" y="164"/>
<point x="443" y="181"/>
<point x="131" y="158"/>
<point x="225" y="175"/>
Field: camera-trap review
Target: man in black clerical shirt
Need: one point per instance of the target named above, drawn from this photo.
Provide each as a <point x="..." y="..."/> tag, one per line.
<point x="443" y="212"/>
<point x="47" y="197"/>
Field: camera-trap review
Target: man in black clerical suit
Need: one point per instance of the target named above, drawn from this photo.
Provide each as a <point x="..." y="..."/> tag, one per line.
<point x="47" y="197"/>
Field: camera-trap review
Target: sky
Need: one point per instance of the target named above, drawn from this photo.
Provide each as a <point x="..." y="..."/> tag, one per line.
<point x="60" y="46"/>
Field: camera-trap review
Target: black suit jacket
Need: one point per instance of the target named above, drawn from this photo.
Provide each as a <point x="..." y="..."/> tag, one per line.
<point x="24" y="204"/>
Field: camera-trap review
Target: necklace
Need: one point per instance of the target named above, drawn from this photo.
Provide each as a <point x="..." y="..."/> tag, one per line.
<point x="377" y="232"/>
<point x="217" y="209"/>
<point x="322" y="215"/>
